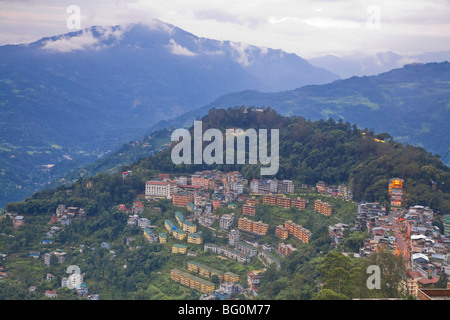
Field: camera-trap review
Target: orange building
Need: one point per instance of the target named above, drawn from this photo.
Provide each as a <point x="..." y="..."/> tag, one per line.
<point x="182" y="199"/>
<point x="245" y="224"/>
<point x="252" y="201"/>
<point x="270" y="200"/>
<point x="248" y="210"/>
<point x="284" y="202"/>
<point x="321" y="186"/>
<point x="300" y="204"/>
<point x="216" y="204"/>
<point x="200" y="181"/>
<point x="396" y="192"/>
<point x="298" y="231"/>
<point x="282" y="232"/>
<point x="253" y="226"/>
<point x="323" y="207"/>
<point x="395" y="183"/>
<point x="260" y="227"/>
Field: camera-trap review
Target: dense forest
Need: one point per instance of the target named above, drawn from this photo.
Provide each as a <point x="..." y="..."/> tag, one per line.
<point x="335" y="152"/>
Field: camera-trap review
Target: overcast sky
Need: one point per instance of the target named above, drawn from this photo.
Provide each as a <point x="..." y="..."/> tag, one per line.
<point x="307" y="28"/>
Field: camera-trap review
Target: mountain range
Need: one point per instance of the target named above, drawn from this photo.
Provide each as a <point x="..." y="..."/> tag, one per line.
<point x="410" y="103"/>
<point x="70" y="100"/>
<point x="373" y="64"/>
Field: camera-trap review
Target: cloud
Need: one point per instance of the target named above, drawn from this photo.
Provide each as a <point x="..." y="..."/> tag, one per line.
<point x="242" y="52"/>
<point x="406" y="60"/>
<point x="218" y="15"/>
<point x="155" y="24"/>
<point x="275" y="20"/>
<point x="177" y="49"/>
<point x="308" y="28"/>
<point x="331" y="23"/>
<point x="85" y="40"/>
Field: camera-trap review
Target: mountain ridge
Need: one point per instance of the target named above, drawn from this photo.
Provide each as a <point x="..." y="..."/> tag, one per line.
<point x="82" y="94"/>
<point x="417" y="95"/>
<point x="380" y="62"/>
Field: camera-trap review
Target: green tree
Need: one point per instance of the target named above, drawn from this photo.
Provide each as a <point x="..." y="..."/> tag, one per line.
<point x="328" y="294"/>
<point x="442" y="282"/>
<point x="393" y="275"/>
<point x="215" y="279"/>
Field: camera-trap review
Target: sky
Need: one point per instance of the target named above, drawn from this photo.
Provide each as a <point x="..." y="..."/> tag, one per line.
<point x="308" y="28"/>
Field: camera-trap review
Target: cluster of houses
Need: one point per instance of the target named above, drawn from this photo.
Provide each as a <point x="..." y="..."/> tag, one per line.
<point x="226" y="187"/>
<point x="186" y="230"/>
<point x="271" y="186"/>
<point x="193" y="192"/>
<point x="202" y="193"/>
<point x="136" y="209"/>
<point x="242" y="251"/>
<point x="64" y="214"/>
<point x="17" y="219"/>
<point x="428" y="248"/>
<point x="340" y="191"/>
<point x="409" y="232"/>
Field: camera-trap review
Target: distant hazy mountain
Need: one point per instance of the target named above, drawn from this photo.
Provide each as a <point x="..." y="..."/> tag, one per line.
<point x="67" y="100"/>
<point x="367" y="65"/>
<point x="410" y="103"/>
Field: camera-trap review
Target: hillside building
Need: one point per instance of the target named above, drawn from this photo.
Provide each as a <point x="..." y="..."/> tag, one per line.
<point x="182" y="199"/>
<point x="191" y="281"/>
<point x="323" y="207"/>
<point x="298" y="231"/>
<point x="179" y="248"/>
<point x="226" y="221"/>
<point x="160" y="189"/>
<point x="248" y="210"/>
<point x="252" y="226"/>
<point x="282" y="232"/>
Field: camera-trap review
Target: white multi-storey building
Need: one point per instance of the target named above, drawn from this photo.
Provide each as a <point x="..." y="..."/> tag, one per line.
<point x="226" y="221"/>
<point x="159" y="189"/>
<point x="254" y="184"/>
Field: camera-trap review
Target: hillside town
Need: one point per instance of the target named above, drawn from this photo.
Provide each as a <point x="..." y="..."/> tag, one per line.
<point x="405" y="231"/>
<point x="199" y="197"/>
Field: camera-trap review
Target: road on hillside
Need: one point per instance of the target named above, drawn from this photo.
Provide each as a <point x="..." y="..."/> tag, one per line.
<point x="401" y="242"/>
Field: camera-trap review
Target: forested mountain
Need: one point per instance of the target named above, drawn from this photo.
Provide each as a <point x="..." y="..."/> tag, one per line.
<point x="411" y="103"/>
<point x="397" y="112"/>
<point x="310" y="151"/>
<point x="335" y="152"/>
<point x="69" y="99"/>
